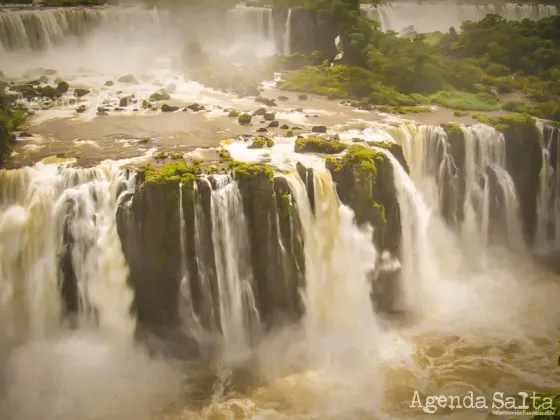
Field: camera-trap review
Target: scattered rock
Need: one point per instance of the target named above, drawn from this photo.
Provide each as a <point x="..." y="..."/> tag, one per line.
<point x="109" y="83"/>
<point x="62" y="87"/>
<point x="185" y="109"/>
<point x="123" y="102"/>
<point x="117" y="109"/>
<point x="80" y="92"/>
<point x="233" y="113"/>
<point x="283" y="98"/>
<point x="319" y="129"/>
<point x="160" y="96"/>
<point x="262" y="130"/>
<point x="296" y="128"/>
<point x="25" y="134"/>
<point x="302" y="97"/>
<point x="81" y="109"/>
<point x="101" y="111"/>
<point x="260" y="111"/>
<point x="269" y="116"/>
<point x="169" y="108"/>
<point x="285" y="127"/>
<point x="266" y="101"/>
<point x="196" y="107"/>
<point x="299" y="109"/>
<point x="244" y="119"/>
<point x="274" y="124"/>
<point x="129" y="78"/>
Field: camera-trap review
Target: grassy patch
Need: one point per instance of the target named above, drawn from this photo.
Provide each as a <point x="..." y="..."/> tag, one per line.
<point x="466" y="101"/>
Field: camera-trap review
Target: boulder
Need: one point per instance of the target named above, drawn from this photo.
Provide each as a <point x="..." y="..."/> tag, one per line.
<point x="319" y="129"/>
<point x="274" y="124"/>
<point x="168" y="108"/>
<point x="129" y="78"/>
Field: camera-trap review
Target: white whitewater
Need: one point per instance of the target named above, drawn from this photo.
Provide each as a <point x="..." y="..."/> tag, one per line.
<point x="41" y="29"/>
<point x="397" y="16"/>
<point x="287" y="40"/>
<point x="428" y="153"/>
<point x="251" y="26"/>
<point x="238" y="314"/>
<point x="36" y="205"/>
<point x="547" y="237"/>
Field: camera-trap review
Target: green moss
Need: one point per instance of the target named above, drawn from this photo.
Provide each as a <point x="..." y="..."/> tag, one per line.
<point x="160" y="156"/>
<point x="269" y="116"/>
<point x="243" y="169"/>
<point x="244" y="119"/>
<point x="318" y="145"/>
<point x="284" y="202"/>
<point x="523" y="123"/>
<point x="333" y="163"/>
<point x="289" y="133"/>
<point x="459" y="113"/>
<point x="452" y="128"/>
<point x="233" y="113"/>
<point x="411" y="109"/>
<point x="363" y="159"/>
<point x="224" y="154"/>
<point x="170" y="172"/>
<point x="176" y="156"/>
<point x="144" y="140"/>
<point x="481" y="118"/>
<point x="381" y="209"/>
<point x="501" y="127"/>
<point x="261" y="142"/>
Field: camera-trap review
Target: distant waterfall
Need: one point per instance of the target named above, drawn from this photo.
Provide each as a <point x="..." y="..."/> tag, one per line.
<point x="287" y="45"/>
<point x="548" y="200"/>
<point x="58" y="230"/>
<point x="397" y="16"/>
<point x="44" y="28"/>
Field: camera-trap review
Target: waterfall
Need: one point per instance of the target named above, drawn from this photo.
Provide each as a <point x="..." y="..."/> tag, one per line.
<point x="548" y="200"/>
<point x="238" y="313"/>
<point x="58" y="230"/>
<point x="339" y="262"/>
<point x="251" y="25"/>
<point x="489" y="204"/>
<point x="397" y="16"/>
<point x="44" y="28"/>
<point x="287" y="46"/>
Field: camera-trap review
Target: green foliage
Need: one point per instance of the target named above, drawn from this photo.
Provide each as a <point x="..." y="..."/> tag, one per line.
<point x="516" y="106"/>
<point x="175" y="172"/>
<point x="244" y="170"/>
<point x="459" y="113"/>
<point x="11" y="119"/>
<point x="466" y="101"/>
<point x="318" y="145"/>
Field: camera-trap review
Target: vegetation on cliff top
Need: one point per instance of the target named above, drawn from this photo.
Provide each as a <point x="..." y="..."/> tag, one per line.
<point x="318" y="145"/>
<point x="462" y="71"/>
<point x="11" y="118"/>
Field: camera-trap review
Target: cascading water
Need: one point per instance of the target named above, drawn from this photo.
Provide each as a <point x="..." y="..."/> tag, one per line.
<point x="427" y="149"/>
<point x="56" y="217"/>
<point x="44" y="28"/>
<point x="398" y="16"/>
<point x="238" y="313"/>
<point x="251" y="25"/>
<point x="287" y="45"/>
<point x="547" y="236"/>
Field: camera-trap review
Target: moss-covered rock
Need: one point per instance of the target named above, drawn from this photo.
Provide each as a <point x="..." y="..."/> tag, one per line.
<point x="129" y="78"/>
<point x="261" y="142"/>
<point x="62" y="87"/>
<point x="160" y="96"/>
<point x="318" y="145"/>
<point x="80" y="92"/>
<point x="233" y="113"/>
<point x="244" y="119"/>
<point x="364" y="180"/>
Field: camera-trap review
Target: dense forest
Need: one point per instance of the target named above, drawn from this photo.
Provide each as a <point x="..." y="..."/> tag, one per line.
<point x="463" y="70"/>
